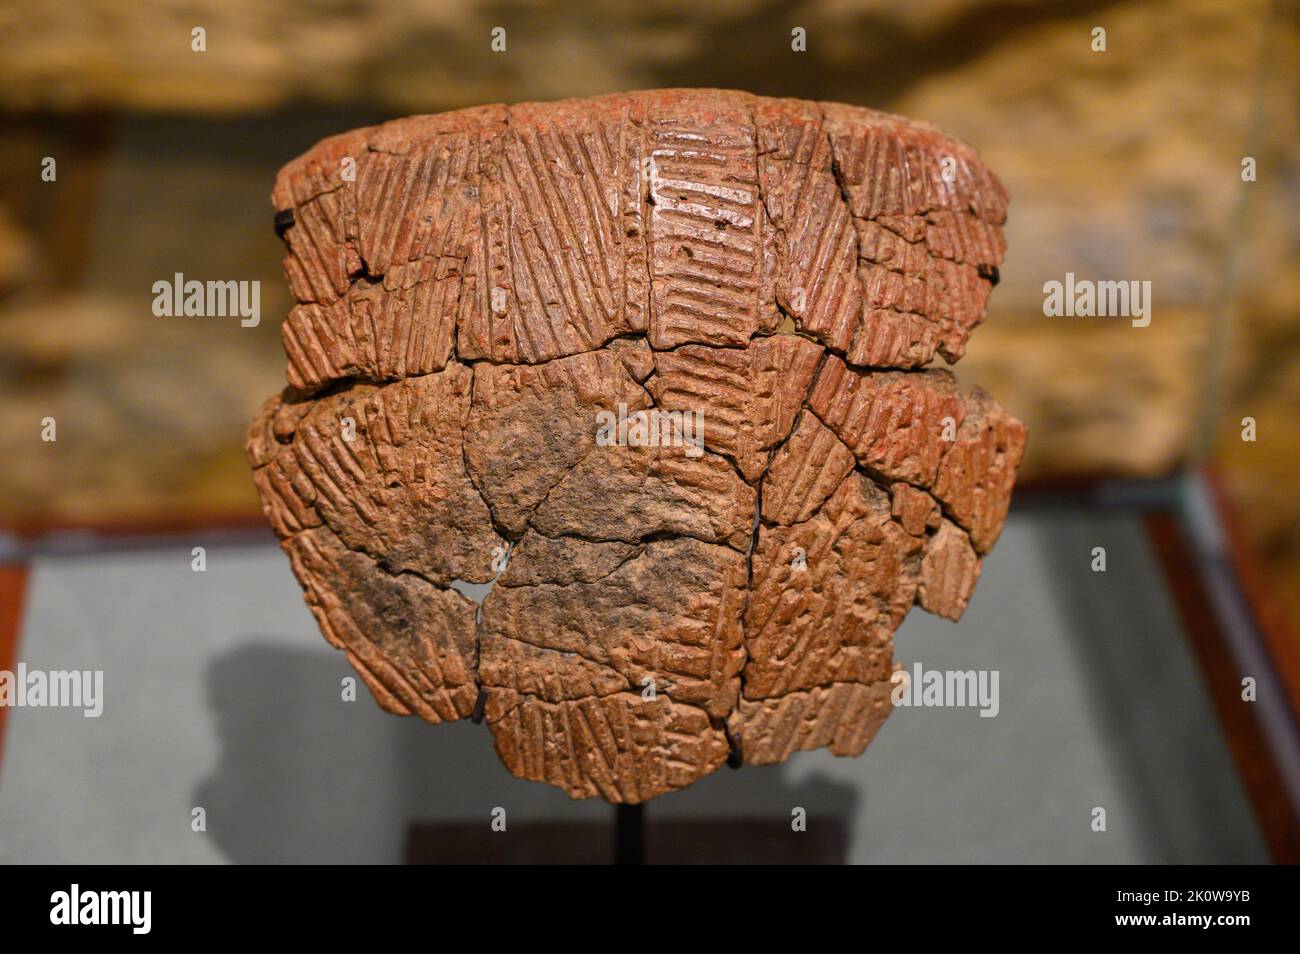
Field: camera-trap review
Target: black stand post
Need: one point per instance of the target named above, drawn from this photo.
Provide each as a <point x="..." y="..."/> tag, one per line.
<point x="629" y="834"/>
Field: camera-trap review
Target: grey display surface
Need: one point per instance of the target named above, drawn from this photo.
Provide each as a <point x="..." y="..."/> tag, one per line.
<point x="220" y="693"/>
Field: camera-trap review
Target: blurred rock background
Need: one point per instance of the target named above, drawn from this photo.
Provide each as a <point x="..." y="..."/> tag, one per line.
<point x="1123" y="164"/>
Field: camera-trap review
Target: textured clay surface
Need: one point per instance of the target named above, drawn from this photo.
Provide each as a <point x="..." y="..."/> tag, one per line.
<point x="476" y="289"/>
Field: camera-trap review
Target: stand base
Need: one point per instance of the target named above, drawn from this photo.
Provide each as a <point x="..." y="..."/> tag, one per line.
<point x="665" y="841"/>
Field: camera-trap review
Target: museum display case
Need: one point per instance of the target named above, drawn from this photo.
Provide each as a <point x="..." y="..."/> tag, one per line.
<point x="637" y="444"/>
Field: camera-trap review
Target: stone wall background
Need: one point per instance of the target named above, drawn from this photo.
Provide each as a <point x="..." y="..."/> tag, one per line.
<point x="1122" y="165"/>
